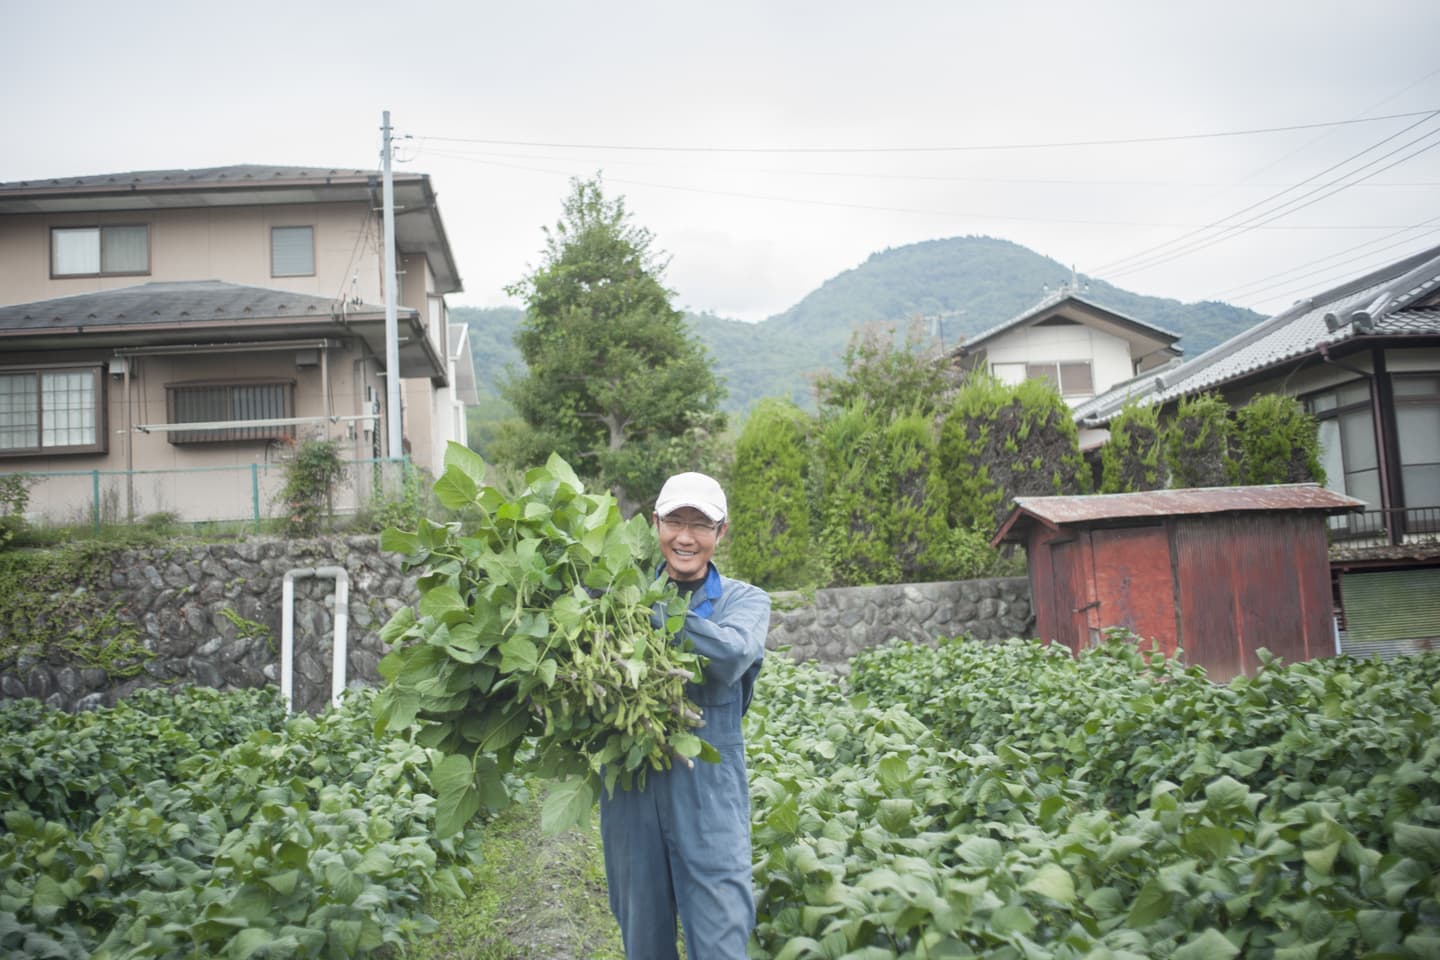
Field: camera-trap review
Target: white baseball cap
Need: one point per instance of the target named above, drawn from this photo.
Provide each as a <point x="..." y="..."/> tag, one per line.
<point x="692" y="490"/>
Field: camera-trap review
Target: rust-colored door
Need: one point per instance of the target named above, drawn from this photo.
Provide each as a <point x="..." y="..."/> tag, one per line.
<point x="1135" y="583"/>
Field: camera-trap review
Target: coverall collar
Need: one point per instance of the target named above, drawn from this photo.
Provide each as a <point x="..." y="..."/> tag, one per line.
<point x="708" y="592"/>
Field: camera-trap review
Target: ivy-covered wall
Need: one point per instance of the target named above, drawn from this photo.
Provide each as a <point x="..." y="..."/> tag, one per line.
<point x="210" y="614"/>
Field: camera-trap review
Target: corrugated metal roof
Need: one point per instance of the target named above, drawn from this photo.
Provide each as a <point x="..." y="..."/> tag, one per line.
<point x="1156" y="504"/>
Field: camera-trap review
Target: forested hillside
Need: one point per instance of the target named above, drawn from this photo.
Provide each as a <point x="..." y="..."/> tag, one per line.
<point x="956" y="287"/>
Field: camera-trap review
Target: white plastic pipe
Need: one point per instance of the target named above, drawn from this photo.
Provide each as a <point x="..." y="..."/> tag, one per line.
<point x="287" y="630"/>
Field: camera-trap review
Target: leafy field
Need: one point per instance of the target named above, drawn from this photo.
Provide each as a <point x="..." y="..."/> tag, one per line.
<point x="196" y="824"/>
<point x="1010" y="801"/>
<point x="998" y="800"/>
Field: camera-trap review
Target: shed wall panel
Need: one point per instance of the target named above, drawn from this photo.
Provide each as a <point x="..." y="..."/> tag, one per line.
<point x="1134" y="582"/>
<point x="1251" y="582"/>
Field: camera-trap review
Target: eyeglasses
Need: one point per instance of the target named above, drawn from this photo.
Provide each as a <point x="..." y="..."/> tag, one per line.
<point x="697" y="528"/>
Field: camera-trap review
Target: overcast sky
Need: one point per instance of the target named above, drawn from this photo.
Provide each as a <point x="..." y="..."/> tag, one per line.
<point x="769" y="145"/>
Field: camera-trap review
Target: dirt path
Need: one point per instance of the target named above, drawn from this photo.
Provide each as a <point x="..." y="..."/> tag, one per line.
<point x="537" y="898"/>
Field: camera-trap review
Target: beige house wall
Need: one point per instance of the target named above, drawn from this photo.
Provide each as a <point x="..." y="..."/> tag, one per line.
<point x="205" y="243"/>
<point x="224" y="480"/>
<point x="231" y="244"/>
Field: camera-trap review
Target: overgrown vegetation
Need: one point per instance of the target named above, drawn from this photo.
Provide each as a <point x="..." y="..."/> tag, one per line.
<point x="1010" y="801"/>
<point x="190" y="823"/>
<point x="51" y="608"/>
<point x="311" y="474"/>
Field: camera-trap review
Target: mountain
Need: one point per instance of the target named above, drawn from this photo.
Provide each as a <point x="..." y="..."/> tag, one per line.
<point x="957" y="287"/>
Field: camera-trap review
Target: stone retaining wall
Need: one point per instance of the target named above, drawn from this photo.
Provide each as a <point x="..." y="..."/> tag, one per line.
<point x="211" y="615"/>
<point x="839" y="623"/>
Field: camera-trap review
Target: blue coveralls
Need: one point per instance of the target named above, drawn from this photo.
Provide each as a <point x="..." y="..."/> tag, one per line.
<point x="683" y="841"/>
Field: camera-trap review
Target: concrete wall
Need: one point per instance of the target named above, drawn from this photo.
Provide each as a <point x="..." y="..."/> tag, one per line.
<point x="211" y="615"/>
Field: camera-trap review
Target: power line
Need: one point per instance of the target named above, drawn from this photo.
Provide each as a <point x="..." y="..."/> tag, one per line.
<point x="1153" y="256"/>
<point x="844" y="205"/>
<point x="1123" y="141"/>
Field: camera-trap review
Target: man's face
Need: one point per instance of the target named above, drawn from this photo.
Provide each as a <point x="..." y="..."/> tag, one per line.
<point x="687" y="541"/>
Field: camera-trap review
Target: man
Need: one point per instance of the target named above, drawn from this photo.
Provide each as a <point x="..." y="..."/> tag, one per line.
<point x="681" y="844"/>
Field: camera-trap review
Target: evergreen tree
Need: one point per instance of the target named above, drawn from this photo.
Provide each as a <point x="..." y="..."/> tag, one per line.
<point x="615" y="382"/>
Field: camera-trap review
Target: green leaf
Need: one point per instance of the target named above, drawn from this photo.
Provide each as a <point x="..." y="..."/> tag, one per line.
<point x="467" y="461"/>
<point x="455" y="490"/>
<point x="1151" y="904"/>
<point x="457" y="800"/>
<point x="1379" y="928"/>
<point x="399" y="541"/>
<point x="444" y="603"/>
<point x="567" y="804"/>
<point x="1227" y="793"/>
<point x="1422" y="843"/>
<point x="893" y="771"/>
<point x="519" y="654"/>
<point x="1210" y="945"/>
<point x="1053" y="881"/>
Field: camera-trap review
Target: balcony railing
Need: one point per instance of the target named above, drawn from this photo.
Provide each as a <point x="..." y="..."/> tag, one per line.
<point x="1382" y="527"/>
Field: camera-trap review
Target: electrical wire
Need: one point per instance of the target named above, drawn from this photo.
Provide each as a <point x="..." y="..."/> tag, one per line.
<point x="1152" y="256"/>
<point x="1122" y="141"/>
<point x="845" y="205"/>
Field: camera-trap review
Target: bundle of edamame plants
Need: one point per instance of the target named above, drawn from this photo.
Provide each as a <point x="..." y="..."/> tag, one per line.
<point x="533" y="645"/>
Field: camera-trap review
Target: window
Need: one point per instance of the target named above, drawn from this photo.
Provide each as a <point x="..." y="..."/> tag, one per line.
<point x="223" y="402"/>
<point x="94" y="251"/>
<point x="45" y="411"/>
<point x="292" y="251"/>
<point x="1347" y="441"/>
<point x="1417" y="425"/>
<point x="1072" y="377"/>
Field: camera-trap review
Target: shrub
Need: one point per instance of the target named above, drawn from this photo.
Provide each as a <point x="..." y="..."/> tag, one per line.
<point x="1199" y="443"/>
<point x="14" y="498"/>
<point x="310" y="479"/>
<point x="853" y="482"/>
<point x="769" y="535"/>
<point x="1131" y="459"/>
<point x="1001" y="441"/>
<point x="1279" y="442"/>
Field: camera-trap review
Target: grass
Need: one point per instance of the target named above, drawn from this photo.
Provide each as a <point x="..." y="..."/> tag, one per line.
<point x="535" y="897"/>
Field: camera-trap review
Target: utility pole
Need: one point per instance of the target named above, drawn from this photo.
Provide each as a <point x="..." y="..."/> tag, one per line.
<point x="395" y="446"/>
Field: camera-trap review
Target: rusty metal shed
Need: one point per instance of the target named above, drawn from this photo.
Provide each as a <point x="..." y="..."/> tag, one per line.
<point x="1216" y="573"/>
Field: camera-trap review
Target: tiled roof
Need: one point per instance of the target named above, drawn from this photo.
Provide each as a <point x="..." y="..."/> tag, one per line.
<point x="1054" y="300"/>
<point x="1378" y="304"/>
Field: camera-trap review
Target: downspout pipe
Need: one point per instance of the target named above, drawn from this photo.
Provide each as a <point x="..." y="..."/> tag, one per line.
<point x="287" y="630"/>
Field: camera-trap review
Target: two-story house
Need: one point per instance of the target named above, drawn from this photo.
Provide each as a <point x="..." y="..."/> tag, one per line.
<point x="166" y="337"/>
<point x="1084" y="349"/>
